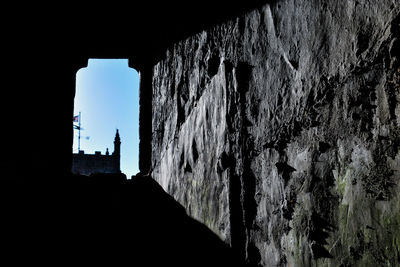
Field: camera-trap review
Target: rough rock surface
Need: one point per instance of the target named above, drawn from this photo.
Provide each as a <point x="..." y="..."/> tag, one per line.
<point x="280" y="131"/>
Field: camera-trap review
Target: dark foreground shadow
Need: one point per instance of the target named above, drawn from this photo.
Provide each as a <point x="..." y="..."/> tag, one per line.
<point x="102" y="220"/>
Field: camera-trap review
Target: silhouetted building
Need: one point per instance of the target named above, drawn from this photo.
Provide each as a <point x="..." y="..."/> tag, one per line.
<point x="87" y="164"/>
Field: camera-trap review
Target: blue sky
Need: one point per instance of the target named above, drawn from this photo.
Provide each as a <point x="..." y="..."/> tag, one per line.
<point x="107" y="95"/>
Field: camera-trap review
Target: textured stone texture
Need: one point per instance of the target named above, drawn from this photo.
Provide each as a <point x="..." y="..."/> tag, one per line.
<point x="280" y="131"/>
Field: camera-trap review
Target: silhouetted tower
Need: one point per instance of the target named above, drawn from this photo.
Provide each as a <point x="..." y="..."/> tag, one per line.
<point x="117" y="150"/>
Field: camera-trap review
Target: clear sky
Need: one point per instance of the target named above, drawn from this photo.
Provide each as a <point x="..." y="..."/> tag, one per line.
<point x="107" y="95"/>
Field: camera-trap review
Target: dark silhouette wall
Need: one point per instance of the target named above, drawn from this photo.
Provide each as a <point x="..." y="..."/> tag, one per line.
<point x="86" y="164"/>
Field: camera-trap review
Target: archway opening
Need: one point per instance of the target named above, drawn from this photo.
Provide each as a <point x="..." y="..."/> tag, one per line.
<point x="106" y="109"/>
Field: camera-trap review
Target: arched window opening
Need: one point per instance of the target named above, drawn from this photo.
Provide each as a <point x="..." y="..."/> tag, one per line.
<point x="106" y="118"/>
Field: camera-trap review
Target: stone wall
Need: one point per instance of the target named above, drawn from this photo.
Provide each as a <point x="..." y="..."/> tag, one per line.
<point x="280" y="131"/>
<point x="86" y="164"/>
